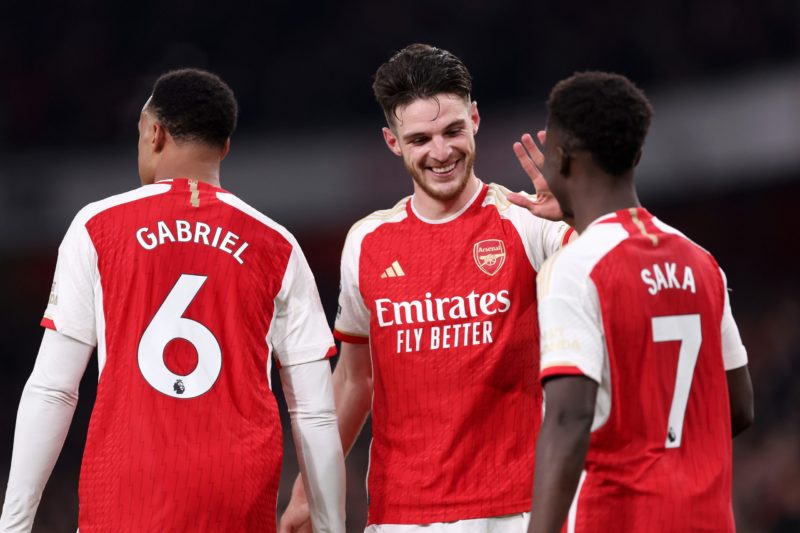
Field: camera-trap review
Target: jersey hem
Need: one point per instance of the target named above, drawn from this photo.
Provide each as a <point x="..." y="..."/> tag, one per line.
<point x="352" y="338"/>
<point x="561" y="370"/>
<point x="470" y="512"/>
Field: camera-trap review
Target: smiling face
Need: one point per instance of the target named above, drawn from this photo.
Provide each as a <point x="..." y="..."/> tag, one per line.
<point x="436" y="139"/>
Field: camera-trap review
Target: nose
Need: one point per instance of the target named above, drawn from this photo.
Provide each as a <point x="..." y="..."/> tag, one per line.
<point x="440" y="149"/>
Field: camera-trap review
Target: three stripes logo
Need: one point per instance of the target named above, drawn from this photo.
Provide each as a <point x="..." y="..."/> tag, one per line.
<point x="394" y="271"/>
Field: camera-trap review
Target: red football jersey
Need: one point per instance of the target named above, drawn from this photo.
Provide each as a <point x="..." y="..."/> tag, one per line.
<point x="449" y="310"/>
<point x="637" y="307"/>
<point x="188" y="293"/>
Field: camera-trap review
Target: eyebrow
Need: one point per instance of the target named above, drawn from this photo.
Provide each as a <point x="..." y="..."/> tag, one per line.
<point x="458" y="122"/>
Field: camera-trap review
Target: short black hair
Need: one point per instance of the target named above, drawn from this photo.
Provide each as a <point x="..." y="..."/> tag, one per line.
<point x="419" y="71"/>
<point x="604" y="113"/>
<point x="194" y="105"/>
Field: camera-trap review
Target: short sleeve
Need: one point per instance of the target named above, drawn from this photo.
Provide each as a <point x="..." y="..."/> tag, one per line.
<point x="734" y="354"/>
<point x="71" y="306"/>
<point x="571" y="326"/>
<point x="299" y="332"/>
<point x="352" y="316"/>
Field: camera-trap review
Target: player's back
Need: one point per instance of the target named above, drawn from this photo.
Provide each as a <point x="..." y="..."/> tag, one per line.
<point x="185" y="433"/>
<point x="660" y="452"/>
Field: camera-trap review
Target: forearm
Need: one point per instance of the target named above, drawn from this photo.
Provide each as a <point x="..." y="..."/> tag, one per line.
<point x="43" y="419"/>
<point x="560" y="454"/>
<point x="561" y="449"/>
<point x="319" y="454"/>
<point x="353" y="396"/>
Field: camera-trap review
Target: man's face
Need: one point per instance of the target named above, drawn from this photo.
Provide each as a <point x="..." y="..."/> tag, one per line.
<point x="551" y="170"/>
<point x="147" y="156"/>
<point x="436" y="139"/>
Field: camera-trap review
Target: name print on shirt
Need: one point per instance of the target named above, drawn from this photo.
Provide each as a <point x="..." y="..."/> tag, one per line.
<point x="665" y="276"/>
<point x="197" y="233"/>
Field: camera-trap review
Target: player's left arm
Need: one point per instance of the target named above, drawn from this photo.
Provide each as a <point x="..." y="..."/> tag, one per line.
<point x="734" y="357"/>
<point x="43" y="419"/>
<point x="740" y="396"/>
<point x="309" y="396"/>
<point x="561" y="449"/>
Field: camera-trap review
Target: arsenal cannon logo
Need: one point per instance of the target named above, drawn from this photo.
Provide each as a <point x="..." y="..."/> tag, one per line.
<point x="489" y="255"/>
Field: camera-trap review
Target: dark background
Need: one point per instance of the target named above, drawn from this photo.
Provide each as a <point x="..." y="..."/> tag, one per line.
<point x="722" y="162"/>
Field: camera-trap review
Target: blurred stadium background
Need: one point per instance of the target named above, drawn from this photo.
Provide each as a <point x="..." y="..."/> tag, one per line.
<point x="722" y="161"/>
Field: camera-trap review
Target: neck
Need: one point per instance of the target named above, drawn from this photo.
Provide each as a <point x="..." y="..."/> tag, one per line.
<point x="434" y="209"/>
<point x="601" y="195"/>
<point x="199" y="163"/>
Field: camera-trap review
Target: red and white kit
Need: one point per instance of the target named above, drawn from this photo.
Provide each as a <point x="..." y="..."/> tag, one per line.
<point x="188" y="294"/>
<point x="637" y="307"/>
<point x="449" y="310"/>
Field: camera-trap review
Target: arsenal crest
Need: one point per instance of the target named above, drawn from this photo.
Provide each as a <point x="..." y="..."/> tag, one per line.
<point x="489" y="255"/>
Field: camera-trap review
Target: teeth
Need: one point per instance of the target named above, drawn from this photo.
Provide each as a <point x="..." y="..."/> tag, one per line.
<point x="444" y="170"/>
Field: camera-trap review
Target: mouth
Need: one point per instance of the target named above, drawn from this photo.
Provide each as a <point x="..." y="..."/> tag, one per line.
<point x="443" y="171"/>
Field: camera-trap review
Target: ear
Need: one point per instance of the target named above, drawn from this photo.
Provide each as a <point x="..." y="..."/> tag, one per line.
<point x="475" y="117"/>
<point x="159" y="137"/>
<point x="392" y="141"/>
<point x="226" y="148"/>
<point x="637" y="158"/>
<point x="564" y="161"/>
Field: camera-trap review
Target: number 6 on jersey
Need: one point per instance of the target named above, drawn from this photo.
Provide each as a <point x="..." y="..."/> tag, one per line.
<point x="167" y="325"/>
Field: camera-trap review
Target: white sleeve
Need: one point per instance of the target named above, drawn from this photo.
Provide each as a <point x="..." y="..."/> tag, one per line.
<point x="572" y="340"/>
<point x="309" y="395"/>
<point x="734" y="354"/>
<point x="299" y="332"/>
<point x="45" y="413"/>
<point x="71" y="307"/>
<point x="352" y="316"/>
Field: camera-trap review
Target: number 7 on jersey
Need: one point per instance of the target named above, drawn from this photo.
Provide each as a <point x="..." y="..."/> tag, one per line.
<point x="686" y="329"/>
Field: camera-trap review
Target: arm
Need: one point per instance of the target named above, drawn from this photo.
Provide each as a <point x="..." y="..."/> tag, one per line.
<point x="561" y="449"/>
<point x="319" y="453"/>
<point x="352" y="391"/>
<point x="740" y="395"/>
<point x="43" y="419"/>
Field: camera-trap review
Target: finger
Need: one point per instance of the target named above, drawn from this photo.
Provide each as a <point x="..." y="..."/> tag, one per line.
<point x="522" y="200"/>
<point x="525" y="160"/>
<point x="536" y="154"/>
<point x="542" y="136"/>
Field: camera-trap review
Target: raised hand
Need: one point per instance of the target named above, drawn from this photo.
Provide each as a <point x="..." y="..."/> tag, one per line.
<point x="530" y="157"/>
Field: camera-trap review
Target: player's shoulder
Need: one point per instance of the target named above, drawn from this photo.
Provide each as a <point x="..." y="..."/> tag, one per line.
<point x="572" y="265"/>
<point x="251" y="212"/>
<point x="105" y="205"/>
<point x="682" y="237"/>
<point x="376" y="219"/>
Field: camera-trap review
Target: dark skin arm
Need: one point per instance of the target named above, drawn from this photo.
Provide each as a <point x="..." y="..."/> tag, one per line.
<point x="740" y="395"/>
<point x="561" y="449"/>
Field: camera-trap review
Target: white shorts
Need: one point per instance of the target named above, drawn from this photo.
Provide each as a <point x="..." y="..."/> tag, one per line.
<point x="512" y="523"/>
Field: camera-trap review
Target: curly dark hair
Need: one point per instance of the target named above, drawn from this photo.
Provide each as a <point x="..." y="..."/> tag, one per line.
<point x="604" y="113"/>
<point x="419" y="71"/>
<point x="194" y="105"/>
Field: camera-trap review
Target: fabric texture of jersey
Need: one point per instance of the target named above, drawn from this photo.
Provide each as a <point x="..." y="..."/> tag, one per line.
<point x="188" y="294"/>
<point x="643" y="311"/>
<point x="449" y="310"/>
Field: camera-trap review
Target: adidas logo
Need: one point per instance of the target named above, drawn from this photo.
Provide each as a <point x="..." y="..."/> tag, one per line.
<point x="394" y="271"/>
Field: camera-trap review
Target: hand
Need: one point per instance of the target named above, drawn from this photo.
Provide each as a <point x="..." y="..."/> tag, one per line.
<point x="297" y="516"/>
<point x="544" y="204"/>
